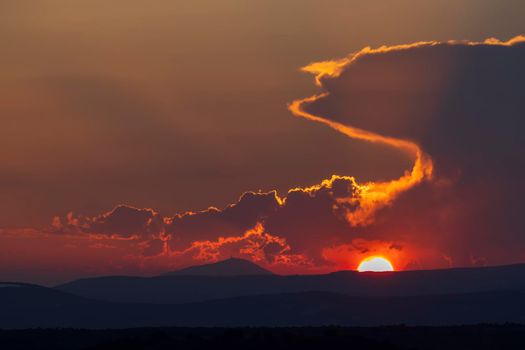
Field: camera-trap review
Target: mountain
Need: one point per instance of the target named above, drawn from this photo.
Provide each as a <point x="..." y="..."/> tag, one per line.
<point x="174" y="289"/>
<point x="54" y="309"/>
<point x="228" y="267"/>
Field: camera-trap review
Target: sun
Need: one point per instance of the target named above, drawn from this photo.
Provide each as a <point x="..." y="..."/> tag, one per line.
<point x="375" y="264"/>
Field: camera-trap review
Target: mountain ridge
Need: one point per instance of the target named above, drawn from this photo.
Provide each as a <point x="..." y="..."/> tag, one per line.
<point x="176" y="289"/>
<point x="229" y="267"/>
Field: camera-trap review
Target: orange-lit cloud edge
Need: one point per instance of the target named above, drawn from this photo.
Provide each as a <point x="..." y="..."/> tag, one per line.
<point x="366" y="199"/>
<point x="374" y="195"/>
<point x="371" y="195"/>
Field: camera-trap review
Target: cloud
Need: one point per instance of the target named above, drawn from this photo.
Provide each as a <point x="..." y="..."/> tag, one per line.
<point x="124" y="221"/>
<point x="460" y="102"/>
<point x="255" y="244"/>
<point x="455" y="107"/>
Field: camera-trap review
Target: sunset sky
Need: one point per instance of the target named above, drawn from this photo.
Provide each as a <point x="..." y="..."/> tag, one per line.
<point x="142" y="136"/>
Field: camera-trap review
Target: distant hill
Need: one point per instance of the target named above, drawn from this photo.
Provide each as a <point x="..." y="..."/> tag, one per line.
<point x="24" y="295"/>
<point x="184" y="288"/>
<point x="228" y="267"/>
<point x="33" y="306"/>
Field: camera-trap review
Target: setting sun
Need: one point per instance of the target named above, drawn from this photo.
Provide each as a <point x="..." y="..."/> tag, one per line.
<point x="375" y="264"/>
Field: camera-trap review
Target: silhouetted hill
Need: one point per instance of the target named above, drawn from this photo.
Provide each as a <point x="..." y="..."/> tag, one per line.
<point x="292" y="309"/>
<point x="24" y="295"/>
<point x="228" y="267"/>
<point x="184" y="289"/>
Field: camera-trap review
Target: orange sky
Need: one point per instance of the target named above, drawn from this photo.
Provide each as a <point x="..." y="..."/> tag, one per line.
<point x="180" y="106"/>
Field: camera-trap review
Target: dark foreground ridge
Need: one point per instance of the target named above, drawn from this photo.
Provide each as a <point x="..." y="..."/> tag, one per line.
<point x="28" y="306"/>
<point x="479" y="337"/>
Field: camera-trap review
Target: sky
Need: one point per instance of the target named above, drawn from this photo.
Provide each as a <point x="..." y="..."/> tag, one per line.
<point x="139" y="137"/>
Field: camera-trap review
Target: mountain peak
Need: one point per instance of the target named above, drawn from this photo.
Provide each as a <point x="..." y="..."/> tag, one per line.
<point x="228" y="267"/>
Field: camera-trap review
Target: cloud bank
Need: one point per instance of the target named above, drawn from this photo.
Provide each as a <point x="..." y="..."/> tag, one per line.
<point x="455" y="107"/>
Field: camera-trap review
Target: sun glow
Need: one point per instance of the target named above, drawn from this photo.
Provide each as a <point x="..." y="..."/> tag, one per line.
<point x="375" y="264"/>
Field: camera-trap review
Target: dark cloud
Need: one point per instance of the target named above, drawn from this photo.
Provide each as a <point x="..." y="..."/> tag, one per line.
<point x="463" y="104"/>
<point x="233" y="220"/>
<point x="127" y="221"/>
<point x="123" y="221"/>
